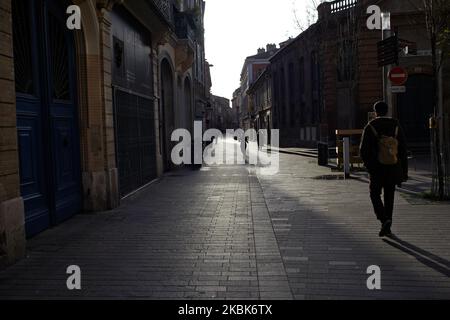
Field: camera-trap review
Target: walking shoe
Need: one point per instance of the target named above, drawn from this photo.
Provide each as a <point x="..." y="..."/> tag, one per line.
<point x="386" y="228"/>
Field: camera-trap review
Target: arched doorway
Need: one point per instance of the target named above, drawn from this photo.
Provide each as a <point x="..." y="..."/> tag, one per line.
<point x="167" y="122"/>
<point x="414" y="109"/>
<point x="180" y="121"/>
<point x="47" y="113"/>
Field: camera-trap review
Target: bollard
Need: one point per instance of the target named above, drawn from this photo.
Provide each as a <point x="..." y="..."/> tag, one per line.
<point x="346" y="157"/>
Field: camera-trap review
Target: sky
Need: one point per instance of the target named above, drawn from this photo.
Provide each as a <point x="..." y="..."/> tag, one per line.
<point x="235" y="29"/>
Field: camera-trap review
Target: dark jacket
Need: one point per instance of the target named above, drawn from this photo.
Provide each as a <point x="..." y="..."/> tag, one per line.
<point x="369" y="149"/>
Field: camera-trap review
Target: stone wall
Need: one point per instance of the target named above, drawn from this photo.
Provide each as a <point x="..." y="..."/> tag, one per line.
<point x="12" y="234"/>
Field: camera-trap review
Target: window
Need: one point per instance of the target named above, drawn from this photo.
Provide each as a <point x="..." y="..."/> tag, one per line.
<point x="282" y="97"/>
<point x="291" y="81"/>
<point x="276" y="99"/>
<point x="345" y="62"/>
<point x="301" y="73"/>
<point x="292" y="115"/>
<point x="314" y="71"/>
<point x="23" y="65"/>
<point x="59" y="53"/>
<point x="291" y="95"/>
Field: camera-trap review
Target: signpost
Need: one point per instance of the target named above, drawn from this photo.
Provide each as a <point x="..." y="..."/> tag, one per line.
<point x="398" y="89"/>
<point x="388" y="51"/>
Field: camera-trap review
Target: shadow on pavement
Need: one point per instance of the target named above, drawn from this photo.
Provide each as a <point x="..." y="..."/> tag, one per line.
<point x="430" y="260"/>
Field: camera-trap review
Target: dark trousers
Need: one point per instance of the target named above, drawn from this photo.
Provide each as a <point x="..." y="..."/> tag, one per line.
<point x="378" y="183"/>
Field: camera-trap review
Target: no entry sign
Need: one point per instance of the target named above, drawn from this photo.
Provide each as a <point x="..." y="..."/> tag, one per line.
<point x="398" y="76"/>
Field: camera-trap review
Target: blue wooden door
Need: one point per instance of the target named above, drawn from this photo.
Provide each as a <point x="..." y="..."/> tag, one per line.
<point x="47" y="125"/>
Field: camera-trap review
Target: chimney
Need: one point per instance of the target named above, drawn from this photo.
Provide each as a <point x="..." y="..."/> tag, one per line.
<point x="261" y="50"/>
<point x="271" y="47"/>
<point x="324" y="10"/>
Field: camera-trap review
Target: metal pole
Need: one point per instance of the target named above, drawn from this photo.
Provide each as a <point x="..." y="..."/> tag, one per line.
<point x="386" y="33"/>
<point x="346" y="157"/>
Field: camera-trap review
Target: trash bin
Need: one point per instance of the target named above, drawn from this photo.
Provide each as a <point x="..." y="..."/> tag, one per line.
<point x="322" y="152"/>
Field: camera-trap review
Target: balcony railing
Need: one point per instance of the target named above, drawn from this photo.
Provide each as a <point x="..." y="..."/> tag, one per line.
<point x="342" y="5"/>
<point x="183" y="27"/>
<point x="165" y="8"/>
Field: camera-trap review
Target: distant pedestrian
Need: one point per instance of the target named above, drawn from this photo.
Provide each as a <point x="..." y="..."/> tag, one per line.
<point x="243" y="142"/>
<point x="384" y="153"/>
<point x="246" y="149"/>
<point x="257" y="138"/>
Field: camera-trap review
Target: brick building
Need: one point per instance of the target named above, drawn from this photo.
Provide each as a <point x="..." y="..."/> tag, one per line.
<point x="86" y="118"/>
<point x="251" y="70"/>
<point x="352" y="80"/>
<point x="328" y="78"/>
<point x="295" y="74"/>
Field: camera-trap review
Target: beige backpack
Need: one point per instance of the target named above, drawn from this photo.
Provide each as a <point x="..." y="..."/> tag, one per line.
<point x="387" y="148"/>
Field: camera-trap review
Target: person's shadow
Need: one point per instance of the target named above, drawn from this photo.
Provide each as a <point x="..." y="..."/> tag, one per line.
<point x="429" y="259"/>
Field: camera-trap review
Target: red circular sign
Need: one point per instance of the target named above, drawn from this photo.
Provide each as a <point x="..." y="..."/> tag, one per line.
<point x="398" y="76"/>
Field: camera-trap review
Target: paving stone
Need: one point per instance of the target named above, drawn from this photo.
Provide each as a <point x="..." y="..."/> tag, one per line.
<point x="227" y="232"/>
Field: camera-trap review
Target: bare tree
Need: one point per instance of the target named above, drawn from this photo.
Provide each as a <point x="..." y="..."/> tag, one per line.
<point x="338" y="31"/>
<point x="437" y="18"/>
<point x="310" y="17"/>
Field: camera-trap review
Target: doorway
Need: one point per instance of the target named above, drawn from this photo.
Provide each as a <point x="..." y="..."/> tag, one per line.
<point x="414" y="109"/>
<point x="167" y="123"/>
<point x="47" y="114"/>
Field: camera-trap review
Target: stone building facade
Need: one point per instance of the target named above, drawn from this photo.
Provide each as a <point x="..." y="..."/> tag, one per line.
<point x="86" y="119"/>
<point x="253" y="67"/>
<point x="220" y="116"/>
<point x="260" y="96"/>
<point x="236" y="106"/>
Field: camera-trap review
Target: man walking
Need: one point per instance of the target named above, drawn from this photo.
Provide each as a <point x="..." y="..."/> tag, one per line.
<point x="384" y="153"/>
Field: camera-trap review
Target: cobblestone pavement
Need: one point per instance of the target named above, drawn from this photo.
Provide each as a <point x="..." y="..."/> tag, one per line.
<point x="327" y="235"/>
<point x="225" y="232"/>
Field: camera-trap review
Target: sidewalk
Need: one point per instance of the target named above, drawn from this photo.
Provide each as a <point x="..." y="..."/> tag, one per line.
<point x="420" y="176"/>
<point x="327" y="234"/>
<point x="226" y="233"/>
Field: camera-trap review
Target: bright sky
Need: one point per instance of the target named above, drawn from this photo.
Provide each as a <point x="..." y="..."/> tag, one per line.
<point x="235" y="29"/>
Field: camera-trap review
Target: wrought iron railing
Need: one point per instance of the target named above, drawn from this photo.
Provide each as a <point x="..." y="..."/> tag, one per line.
<point x="342" y="5"/>
<point x="165" y="7"/>
<point x="183" y="27"/>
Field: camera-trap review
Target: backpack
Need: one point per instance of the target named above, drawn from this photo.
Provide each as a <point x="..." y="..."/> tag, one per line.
<point x="387" y="147"/>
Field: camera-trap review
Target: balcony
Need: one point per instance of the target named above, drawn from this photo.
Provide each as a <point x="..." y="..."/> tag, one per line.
<point x="165" y="9"/>
<point x="342" y="5"/>
<point x="326" y="9"/>
<point x="156" y="15"/>
<point x="185" y="50"/>
<point x="184" y="26"/>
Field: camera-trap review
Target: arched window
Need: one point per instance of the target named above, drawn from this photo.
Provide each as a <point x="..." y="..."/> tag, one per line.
<point x="301" y="73"/>
<point x="282" y="84"/>
<point x="291" y="80"/>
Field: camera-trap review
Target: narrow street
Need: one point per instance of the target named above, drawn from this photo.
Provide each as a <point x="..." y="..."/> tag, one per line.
<point x="225" y="232"/>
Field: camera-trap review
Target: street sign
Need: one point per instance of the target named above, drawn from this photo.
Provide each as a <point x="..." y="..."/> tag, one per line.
<point x="398" y="76"/>
<point x="398" y="89"/>
<point x="388" y="51"/>
<point x="408" y="47"/>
